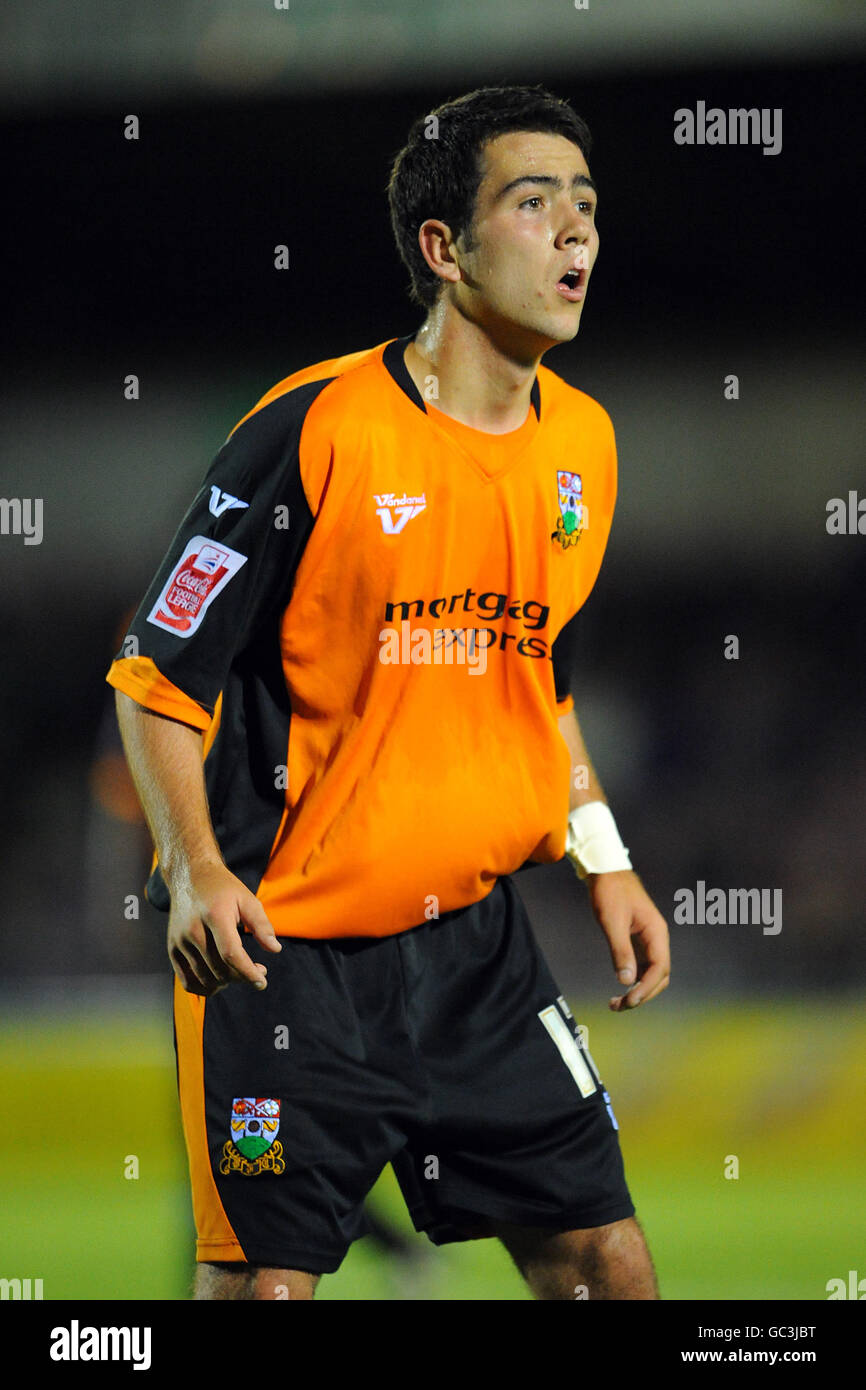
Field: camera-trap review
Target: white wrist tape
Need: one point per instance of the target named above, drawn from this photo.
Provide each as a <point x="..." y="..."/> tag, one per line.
<point x="592" y="841"/>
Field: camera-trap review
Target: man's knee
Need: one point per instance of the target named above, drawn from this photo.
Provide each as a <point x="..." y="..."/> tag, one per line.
<point x="610" y="1261"/>
<point x="239" y="1281"/>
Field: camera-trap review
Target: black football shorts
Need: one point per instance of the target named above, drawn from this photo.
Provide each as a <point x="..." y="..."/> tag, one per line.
<point x="446" y="1050"/>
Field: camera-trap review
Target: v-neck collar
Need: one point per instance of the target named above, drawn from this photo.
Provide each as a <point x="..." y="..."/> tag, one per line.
<point x="393" y="360"/>
<point x="492" y="456"/>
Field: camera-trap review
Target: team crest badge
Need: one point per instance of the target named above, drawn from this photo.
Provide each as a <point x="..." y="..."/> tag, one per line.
<point x="254" y="1146"/>
<point x="571" y="521"/>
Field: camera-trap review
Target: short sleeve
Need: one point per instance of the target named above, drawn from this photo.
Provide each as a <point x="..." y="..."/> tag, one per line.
<point x="228" y="570"/>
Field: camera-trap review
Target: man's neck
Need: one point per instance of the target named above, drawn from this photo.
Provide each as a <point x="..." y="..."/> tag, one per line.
<point x="476" y="382"/>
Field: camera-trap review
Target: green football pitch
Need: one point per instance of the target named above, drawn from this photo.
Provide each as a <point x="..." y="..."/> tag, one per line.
<point x="742" y="1129"/>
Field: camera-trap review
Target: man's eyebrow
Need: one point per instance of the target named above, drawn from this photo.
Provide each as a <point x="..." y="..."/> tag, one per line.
<point x="553" y="180"/>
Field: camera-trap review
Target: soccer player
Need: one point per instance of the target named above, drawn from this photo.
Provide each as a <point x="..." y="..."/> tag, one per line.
<point x="345" y="705"/>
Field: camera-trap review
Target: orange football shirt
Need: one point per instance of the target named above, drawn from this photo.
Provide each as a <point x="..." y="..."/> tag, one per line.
<point x="363" y="612"/>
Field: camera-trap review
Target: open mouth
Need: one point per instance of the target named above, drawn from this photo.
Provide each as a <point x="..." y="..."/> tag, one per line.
<point x="572" y="284"/>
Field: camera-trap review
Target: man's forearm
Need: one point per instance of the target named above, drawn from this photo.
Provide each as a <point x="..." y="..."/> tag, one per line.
<point x="165" y="760"/>
<point x="584" y="783"/>
<point x="592" y="842"/>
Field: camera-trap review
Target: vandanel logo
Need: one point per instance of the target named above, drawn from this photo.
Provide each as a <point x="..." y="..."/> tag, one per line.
<point x="394" y="511"/>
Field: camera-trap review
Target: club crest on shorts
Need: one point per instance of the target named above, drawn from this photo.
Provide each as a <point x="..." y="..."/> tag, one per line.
<point x="254" y="1146"/>
<point x="571" y="522"/>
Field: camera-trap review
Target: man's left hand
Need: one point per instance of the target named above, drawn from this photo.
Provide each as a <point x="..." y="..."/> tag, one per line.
<point x="637" y="935"/>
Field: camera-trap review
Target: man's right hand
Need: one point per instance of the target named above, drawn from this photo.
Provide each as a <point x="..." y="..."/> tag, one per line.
<point x="208" y="905"/>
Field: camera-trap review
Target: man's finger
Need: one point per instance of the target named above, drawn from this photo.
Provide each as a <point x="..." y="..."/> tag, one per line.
<point x="240" y="966"/>
<point x="209" y="949"/>
<point x="185" y="974"/>
<point x="200" y="945"/>
<point x="652" y="983"/>
<point x="621" y="950"/>
<point x="256" y="920"/>
<point x="196" y="969"/>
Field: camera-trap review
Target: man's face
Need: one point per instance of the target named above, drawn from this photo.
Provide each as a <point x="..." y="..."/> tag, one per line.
<point x="534" y="221"/>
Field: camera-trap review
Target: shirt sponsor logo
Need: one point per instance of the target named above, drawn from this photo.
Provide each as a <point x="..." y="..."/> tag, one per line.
<point x="489" y="606"/>
<point x="223" y="501"/>
<point x="394" y="511"/>
<point x="204" y="570"/>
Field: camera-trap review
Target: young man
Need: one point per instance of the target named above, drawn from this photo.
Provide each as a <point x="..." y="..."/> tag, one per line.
<point x="363" y="627"/>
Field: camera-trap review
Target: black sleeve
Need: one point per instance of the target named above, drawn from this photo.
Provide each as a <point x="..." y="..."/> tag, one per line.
<point x="564" y="656"/>
<point x="232" y="561"/>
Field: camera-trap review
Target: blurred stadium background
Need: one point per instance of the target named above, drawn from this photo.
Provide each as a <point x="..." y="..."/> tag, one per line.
<point x="262" y="126"/>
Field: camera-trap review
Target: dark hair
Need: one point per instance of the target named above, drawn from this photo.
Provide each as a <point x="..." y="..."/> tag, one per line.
<point x="438" y="171"/>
